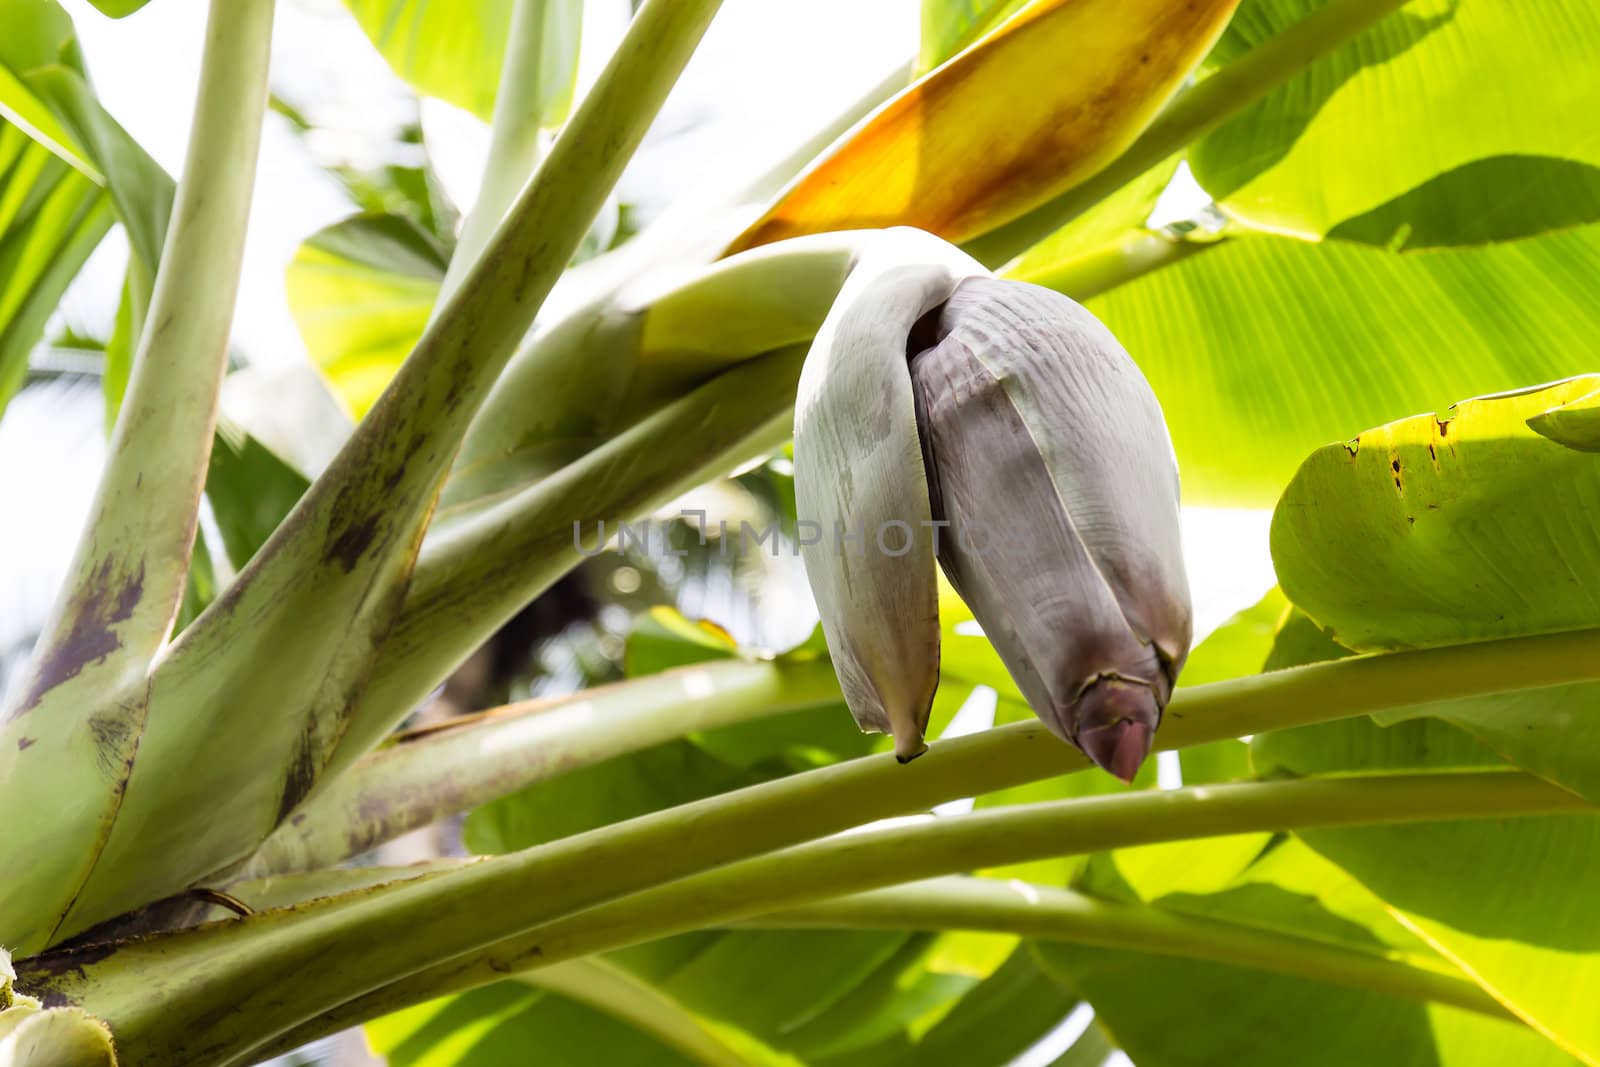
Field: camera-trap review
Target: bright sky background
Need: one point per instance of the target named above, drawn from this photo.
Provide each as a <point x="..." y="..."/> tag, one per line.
<point x="769" y="73"/>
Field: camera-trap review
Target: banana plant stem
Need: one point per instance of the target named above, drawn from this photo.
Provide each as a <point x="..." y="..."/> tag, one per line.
<point x="871" y="859"/>
<point x="413" y="783"/>
<point x="469" y="912"/>
<point x="435" y="773"/>
<point x="143" y="521"/>
<point x="878" y="787"/>
<point x="67" y="742"/>
<point x="1102" y="269"/>
<point x="514" y="148"/>
<point x="1049" y="913"/>
<point x="301" y="625"/>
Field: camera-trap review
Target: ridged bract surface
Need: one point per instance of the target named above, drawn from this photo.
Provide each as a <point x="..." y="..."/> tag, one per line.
<point x="1053" y="467"/>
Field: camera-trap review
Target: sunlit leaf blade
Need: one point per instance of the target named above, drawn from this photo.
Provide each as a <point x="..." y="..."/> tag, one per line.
<point x="1574" y="423"/>
<point x="455" y="51"/>
<point x="1394" y="133"/>
<point x="1435" y="530"/>
<point x="448" y="50"/>
<point x="1264" y="348"/>
<point x="997" y="1020"/>
<point x="1102" y="230"/>
<point x="1208" y="865"/>
<point x="948" y="26"/>
<point x="361" y="292"/>
<point x="498" y="1025"/>
<point x="1439" y="529"/>
<point x="1291" y="889"/>
<point x="1508" y="901"/>
<point x="1508" y="905"/>
<point x="51" y="219"/>
<point x="1189" y="1013"/>
<point x="1224" y="1013"/>
<point x="119" y="8"/>
<point x="39" y="36"/>
<point x="1496" y="199"/>
<point x="1037" y="106"/>
<point x="45" y="88"/>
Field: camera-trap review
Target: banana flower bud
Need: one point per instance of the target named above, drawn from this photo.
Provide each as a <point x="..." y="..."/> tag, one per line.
<point x="999" y="428"/>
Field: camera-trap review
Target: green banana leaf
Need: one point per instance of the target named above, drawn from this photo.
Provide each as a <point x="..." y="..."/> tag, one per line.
<point x="949" y="26"/>
<point x="455" y="51"/>
<point x="1509" y="902"/>
<point x="51" y="219"/>
<point x="1391" y="139"/>
<point x="45" y="89"/>
<point x="1444" y="529"/>
<point x="840" y="993"/>
<point x="1263" y="348"/>
<point x="1182" y="1011"/>
<point x="361" y="292"/>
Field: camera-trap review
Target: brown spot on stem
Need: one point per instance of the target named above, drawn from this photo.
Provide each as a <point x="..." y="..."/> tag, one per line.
<point x="111" y="735"/>
<point x="302" y="773"/>
<point x="24" y="743"/>
<point x="108" y="597"/>
<point x="43" y="975"/>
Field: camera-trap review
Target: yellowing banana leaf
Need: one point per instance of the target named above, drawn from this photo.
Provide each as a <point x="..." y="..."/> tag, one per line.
<point x="1040" y="104"/>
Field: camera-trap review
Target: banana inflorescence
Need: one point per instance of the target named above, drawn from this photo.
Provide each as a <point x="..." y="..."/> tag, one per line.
<point x="999" y="428"/>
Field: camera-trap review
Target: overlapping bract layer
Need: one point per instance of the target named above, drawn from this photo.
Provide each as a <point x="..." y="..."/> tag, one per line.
<point x="1000" y="428"/>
